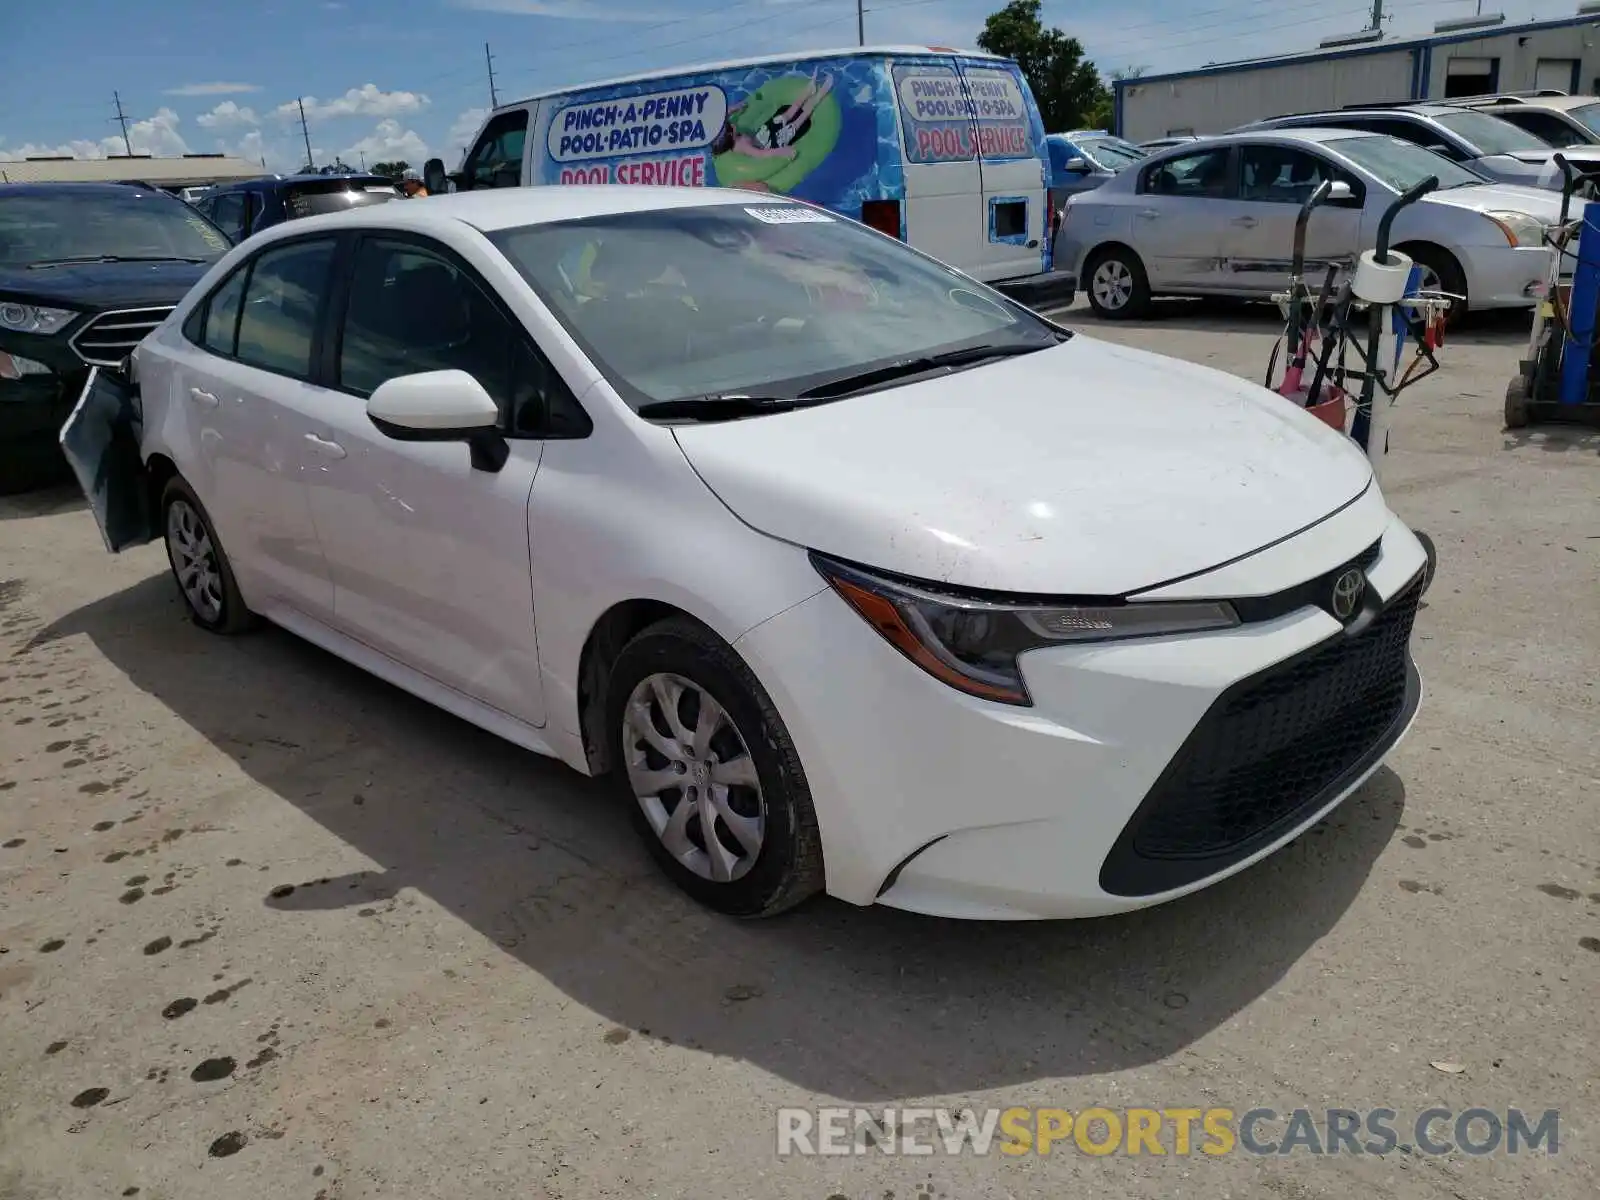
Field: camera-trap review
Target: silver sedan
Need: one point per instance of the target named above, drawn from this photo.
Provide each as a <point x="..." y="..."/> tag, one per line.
<point x="1216" y="217"/>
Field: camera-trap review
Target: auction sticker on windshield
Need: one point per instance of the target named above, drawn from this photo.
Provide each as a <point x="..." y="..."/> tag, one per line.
<point x="789" y="214"/>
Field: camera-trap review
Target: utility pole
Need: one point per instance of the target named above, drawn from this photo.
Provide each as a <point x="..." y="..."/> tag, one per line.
<point x="861" y="22"/>
<point x="123" y="121"/>
<point x="488" y="61"/>
<point x="305" y="132"/>
<point x="1377" y="14"/>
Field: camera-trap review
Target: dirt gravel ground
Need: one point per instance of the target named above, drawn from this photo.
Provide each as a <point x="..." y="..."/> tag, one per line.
<point x="271" y="928"/>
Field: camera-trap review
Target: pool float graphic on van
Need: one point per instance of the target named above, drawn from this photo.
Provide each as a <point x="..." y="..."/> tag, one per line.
<point x="819" y="130"/>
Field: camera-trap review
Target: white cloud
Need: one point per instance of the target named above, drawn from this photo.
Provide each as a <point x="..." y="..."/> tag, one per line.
<point x="566" y="10"/>
<point x="459" y="139"/>
<point x="79" y="148"/>
<point x="387" y="142"/>
<point x="212" y="89"/>
<point x="226" y="115"/>
<point x="368" y="100"/>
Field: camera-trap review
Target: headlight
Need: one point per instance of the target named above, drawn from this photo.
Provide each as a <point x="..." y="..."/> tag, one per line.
<point x="32" y="318"/>
<point x="1520" y="229"/>
<point x="972" y="644"/>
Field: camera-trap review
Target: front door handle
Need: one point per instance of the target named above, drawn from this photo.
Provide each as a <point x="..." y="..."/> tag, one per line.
<point x="324" y="447"/>
<point x="201" y="396"/>
<point x="1149" y="214"/>
<point x="1245" y="222"/>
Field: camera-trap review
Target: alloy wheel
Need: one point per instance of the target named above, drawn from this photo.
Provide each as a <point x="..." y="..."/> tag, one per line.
<point x="1112" y="283"/>
<point x="692" y="775"/>
<point x="194" y="560"/>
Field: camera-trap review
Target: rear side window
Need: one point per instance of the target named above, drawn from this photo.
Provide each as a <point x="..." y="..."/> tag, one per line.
<point x="228" y="212"/>
<point x="220" y="332"/>
<point x="278" y="322"/>
<point x="1204" y="174"/>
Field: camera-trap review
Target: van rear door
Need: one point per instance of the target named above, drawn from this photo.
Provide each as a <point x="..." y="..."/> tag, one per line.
<point x="1011" y="164"/>
<point x="944" y="212"/>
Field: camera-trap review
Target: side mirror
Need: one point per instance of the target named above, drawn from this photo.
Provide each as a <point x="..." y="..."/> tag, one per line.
<point x="1077" y="165"/>
<point x="1341" y="193"/>
<point x="441" y="406"/>
<point x="1440" y="148"/>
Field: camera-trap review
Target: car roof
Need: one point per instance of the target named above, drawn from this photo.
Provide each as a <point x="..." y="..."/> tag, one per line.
<point x="1312" y="134"/>
<point x="508" y="208"/>
<point x="79" y="189"/>
<point x="1559" y="103"/>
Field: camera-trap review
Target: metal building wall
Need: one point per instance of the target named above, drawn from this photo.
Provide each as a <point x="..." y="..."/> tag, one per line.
<point x="1218" y="102"/>
<point x="1519" y="54"/>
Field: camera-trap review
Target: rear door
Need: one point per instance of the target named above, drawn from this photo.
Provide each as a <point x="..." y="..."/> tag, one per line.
<point x="1181" y="219"/>
<point x="944" y="211"/>
<point x="1012" y="171"/>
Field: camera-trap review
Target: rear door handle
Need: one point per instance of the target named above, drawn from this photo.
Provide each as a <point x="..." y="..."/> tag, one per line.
<point x="1245" y="222"/>
<point x="201" y="396"/>
<point x="324" y="447"/>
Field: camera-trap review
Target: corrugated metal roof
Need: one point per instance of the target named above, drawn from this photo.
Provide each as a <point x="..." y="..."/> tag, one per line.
<point x="159" y="172"/>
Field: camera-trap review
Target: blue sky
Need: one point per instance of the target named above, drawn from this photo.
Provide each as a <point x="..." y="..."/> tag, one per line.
<point x="405" y="78"/>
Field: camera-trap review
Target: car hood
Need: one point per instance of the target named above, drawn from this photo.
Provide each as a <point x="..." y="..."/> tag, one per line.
<point x="103" y="285"/>
<point x="1087" y="469"/>
<point x="1501" y="197"/>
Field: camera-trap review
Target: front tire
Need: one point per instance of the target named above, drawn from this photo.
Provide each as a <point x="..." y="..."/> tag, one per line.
<point x="1440" y="272"/>
<point x="199" y="565"/>
<point x="1117" y="285"/>
<point x="713" y="781"/>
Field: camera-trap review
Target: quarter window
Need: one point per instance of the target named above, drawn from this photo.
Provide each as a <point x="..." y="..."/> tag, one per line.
<point x="1204" y="174"/>
<point x="413" y="309"/>
<point x="278" y="322"/>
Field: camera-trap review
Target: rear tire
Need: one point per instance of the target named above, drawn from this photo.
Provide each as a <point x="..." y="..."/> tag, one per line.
<point x="1116" y="284"/>
<point x="199" y="565"/>
<point x="712" y="779"/>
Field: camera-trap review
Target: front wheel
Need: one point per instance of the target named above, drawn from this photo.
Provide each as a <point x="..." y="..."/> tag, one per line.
<point x="1117" y="285"/>
<point x="714" y="783"/>
<point x="1440" y="273"/>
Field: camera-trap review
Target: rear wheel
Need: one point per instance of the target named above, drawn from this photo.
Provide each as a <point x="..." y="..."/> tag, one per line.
<point x="1117" y="285"/>
<point x="199" y="566"/>
<point x="714" y="782"/>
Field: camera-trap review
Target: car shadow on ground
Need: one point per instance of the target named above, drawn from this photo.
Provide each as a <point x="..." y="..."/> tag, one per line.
<point x="44" y="502"/>
<point x="1555" y="439"/>
<point x="1507" y="327"/>
<point x="866" y="1005"/>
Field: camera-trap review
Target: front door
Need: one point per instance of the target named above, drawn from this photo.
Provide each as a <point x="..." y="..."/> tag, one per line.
<point x="1180" y="219"/>
<point x="1011" y="169"/>
<point x="1274" y="181"/>
<point x="944" y="209"/>
<point x="429" y="556"/>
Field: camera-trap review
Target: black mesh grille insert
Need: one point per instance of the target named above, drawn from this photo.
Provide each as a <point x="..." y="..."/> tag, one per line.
<point x="1270" y="749"/>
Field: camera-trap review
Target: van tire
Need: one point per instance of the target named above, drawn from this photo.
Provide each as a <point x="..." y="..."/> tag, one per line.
<point x="1116" y="284"/>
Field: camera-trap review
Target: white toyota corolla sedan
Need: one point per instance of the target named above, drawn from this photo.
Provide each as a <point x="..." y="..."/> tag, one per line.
<point x="858" y="576"/>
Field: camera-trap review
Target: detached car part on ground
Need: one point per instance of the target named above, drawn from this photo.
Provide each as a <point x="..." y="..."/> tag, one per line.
<point x="1217" y="219"/>
<point x="86" y="270"/>
<point x="725" y="495"/>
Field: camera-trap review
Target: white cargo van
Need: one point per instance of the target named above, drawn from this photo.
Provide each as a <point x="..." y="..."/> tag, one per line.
<point x="942" y="148"/>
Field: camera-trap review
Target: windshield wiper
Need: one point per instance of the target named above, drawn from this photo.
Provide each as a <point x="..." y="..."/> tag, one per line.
<point x="79" y="259"/>
<point x="720" y="406"/>
<point x="862" y="380"/>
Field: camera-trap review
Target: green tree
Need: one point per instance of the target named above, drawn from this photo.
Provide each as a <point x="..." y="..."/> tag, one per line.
<point x="1068" y="88"/>
<point x="392" y="169"/>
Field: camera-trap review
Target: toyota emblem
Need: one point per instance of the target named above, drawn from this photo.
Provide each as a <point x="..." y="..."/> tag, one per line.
<point x="1347" y="592"/>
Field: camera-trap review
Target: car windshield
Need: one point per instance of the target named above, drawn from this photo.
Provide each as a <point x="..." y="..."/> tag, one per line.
<point x="119" y="222"/>
<point x="1491" y="135"/>
<point x="320" y="198"/>
<point x="1399" y="164"/>
<point x="1110" y="153"/>
<point x="765" y="300"/>
<point x="1588" y="115"/>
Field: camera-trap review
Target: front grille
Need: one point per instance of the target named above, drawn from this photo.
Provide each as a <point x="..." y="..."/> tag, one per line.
<point x="1271" y="750"/>
<point x="109" y="338"/>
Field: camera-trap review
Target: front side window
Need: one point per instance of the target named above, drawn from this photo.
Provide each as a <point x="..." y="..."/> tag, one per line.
<point x="220" y="332"/>
<point x="1545" y="126"/>
<point x="764" y="299"/>
<point x="44" y="228"/>
<point x="412" y="309"/>
<point x="496" y="161"/>
<point x="1204" y="174"/>
<point x="277" y="325"/>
